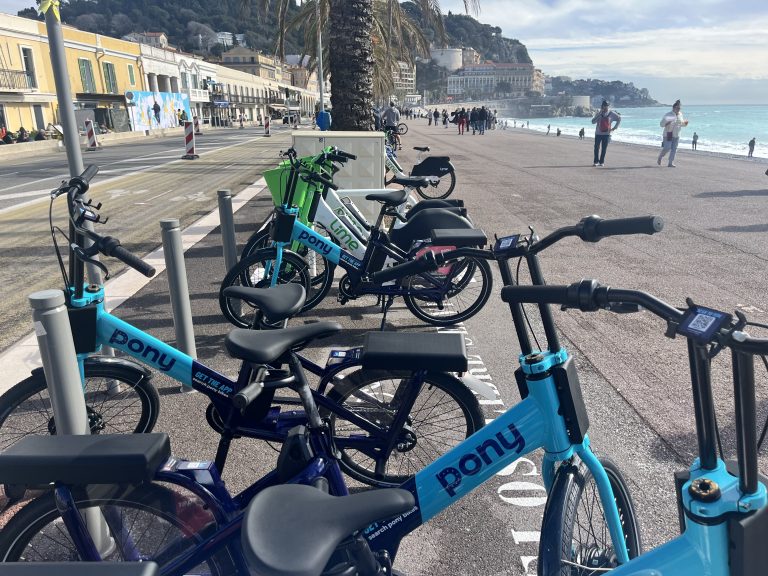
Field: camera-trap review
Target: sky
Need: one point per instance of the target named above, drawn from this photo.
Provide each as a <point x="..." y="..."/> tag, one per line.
<point x="700" y="51"/>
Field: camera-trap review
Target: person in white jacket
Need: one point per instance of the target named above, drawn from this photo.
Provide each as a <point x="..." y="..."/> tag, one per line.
<point x="672" y="123"/>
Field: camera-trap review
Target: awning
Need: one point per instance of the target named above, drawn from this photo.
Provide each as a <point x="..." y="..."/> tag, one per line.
<point x="221" y="104"/>
<point x="277" y="107"/>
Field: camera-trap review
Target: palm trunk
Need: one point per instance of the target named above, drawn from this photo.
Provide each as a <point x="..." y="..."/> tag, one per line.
<point x="351" y="64"/>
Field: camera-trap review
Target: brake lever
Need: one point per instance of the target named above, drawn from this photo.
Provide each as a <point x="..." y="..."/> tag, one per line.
<point x="85" y="256"/>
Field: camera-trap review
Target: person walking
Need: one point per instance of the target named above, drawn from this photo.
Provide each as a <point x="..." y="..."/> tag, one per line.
<point x="436" y="116"/>
<point x="751" y="147"/>
<point x="694" y="141"/>
<point x="581" y="133"/>
<point x="390" y="118"/>
<point x="473" y="120"/>
<point x="548" y="128"/>
<point x="605" y="121"/>
<point x="482" y="118"/>
<point x="672" y="122"/>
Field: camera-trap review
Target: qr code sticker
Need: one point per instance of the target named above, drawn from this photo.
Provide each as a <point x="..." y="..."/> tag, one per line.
<point x="701" y="322"/>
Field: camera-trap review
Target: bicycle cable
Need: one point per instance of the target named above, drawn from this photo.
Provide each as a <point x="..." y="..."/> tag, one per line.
<point x="525" y="315"/>
<point x="56" y="248"/>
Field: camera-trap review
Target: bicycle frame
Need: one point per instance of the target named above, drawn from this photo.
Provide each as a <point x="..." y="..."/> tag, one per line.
<point x="112" y="331"/>
<point x="532" y="424"/>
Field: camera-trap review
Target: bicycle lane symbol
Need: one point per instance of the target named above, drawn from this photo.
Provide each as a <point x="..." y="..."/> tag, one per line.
<point x="522" y="485"/>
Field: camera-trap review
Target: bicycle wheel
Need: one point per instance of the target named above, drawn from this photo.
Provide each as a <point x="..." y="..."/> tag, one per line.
<point x="257" y="241"/>
<point x="149" y="522"/>
<point x="574" y="537"/>
<point x="442" y="190"/>
<point x="257" y="271"/>
<point x="444" y="413"/>
<point x="119" y="400"/>
<point x="321" y="271"/>
<point x="402" y="129"/>
<point x="467" y="287"/>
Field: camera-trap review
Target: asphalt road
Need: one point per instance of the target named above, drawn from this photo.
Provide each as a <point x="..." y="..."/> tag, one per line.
<point x="635" y="381"/>
<point x="164" y="186"/>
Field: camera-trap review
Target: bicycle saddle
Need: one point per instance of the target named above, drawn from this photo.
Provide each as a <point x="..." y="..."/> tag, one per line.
<point x="412" y="181"/>
<point x="292" y="529"/>
<point x="277" y="303"/>
<point x="268" y="346"/>
<point x="394" y="198"/>
<point x="421" y="148"/>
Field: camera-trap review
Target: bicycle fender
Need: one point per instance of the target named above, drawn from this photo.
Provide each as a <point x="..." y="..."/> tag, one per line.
<point x="126" y="363"/>
<point x="479" y="387"/>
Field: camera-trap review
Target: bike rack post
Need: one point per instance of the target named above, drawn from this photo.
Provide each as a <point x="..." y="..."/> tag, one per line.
<point x="62" y="376"/>
<point x="228" y="240"/>
<point x="54" y="337"/>
<point x="178" y="288"/>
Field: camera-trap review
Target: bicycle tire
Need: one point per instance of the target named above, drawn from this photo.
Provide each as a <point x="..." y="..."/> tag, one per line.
<point x="321" y="281"/>
<point x="440" y="191"/>
<point x="250" y="272"/>
<point x="402" y="129"/>
<point x="434" y="432"/>
<point x="573" y="490"/>
<point x="464" y="287"/>
<point x="152" y="512"/>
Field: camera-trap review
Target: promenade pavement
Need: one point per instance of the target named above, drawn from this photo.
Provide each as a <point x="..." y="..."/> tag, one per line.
<point x="713" y="248"/>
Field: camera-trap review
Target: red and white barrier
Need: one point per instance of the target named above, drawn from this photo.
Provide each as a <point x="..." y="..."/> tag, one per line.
<point x="189" y="141"/>
<point x="196" y="122"/>
<point x="266" y="127"/>
<point x="91" y="134"/>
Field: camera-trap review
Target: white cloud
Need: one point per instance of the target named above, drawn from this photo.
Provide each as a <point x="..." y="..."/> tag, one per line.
<point x="714" y="41"/>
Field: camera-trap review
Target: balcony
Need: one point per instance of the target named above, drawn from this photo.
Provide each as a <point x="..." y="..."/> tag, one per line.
<point x="17" y="80"/>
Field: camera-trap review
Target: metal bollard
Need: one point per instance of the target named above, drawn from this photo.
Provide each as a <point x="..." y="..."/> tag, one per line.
<point x="62" y="376"/>
<point x="54" y="337"/>
<point x="228" y="240"/>
<point x="178" y="288"/>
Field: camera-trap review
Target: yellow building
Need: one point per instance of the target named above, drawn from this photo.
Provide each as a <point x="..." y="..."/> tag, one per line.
<point x="101" y="70"/>
<point x="27" y="92"/>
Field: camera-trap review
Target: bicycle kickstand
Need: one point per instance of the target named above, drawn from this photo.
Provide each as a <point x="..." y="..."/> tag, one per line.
<point x="386" y="304"/>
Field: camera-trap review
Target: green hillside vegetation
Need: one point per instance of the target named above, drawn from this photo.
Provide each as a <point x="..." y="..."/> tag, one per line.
<point x="615" y="91"/>
<point x="189" y="24"/>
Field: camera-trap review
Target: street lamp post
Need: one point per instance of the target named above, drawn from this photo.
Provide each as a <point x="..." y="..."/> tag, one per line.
<point x="323" y="117"/>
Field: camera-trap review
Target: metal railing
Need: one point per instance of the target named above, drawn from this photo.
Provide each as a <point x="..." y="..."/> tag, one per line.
<point x="16" y="80"/>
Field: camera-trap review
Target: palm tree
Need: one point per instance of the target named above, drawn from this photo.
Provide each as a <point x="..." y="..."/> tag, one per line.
<point x="365" y="41"/>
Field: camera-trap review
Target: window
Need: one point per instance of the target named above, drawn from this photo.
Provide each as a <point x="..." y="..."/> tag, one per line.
<point x="110" y="80"/>
<point x="131" y="75"/>
<point x="184" y="81"/>
<point x="194" y="81"/>
<point x="86" y="75"/>
<point x="29" y="66"/>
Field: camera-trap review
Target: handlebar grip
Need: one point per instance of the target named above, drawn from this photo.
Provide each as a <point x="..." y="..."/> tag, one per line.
<point x="110" y="246"/>
<point x="595" y="228"/>
<point x="587" y="295"/>
<point x="423" y="264"/>
<point x="322" y="180"/>
<point x="336" y="158"/>
<point x="346" y="154"/>
<point x="535" y="294"/>
<point x="242" y="399"/>
<point x="89" y="172"/>
<point x="133" y="261"/>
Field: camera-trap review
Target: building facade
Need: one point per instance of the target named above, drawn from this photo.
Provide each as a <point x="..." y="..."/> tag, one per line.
<point x="490" y="79"/>
<point x="101" y="69"/>
<point x="112" y="80"/>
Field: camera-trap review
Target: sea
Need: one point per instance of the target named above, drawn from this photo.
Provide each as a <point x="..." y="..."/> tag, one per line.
<point x="722" y="129"/>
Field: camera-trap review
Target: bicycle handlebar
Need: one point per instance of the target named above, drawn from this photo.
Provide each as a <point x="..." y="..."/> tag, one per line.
<point x="593" y="229"/>
<point x="110" y="246"/>
<point x="315" y="177"/>
<point x="590" y="296"/>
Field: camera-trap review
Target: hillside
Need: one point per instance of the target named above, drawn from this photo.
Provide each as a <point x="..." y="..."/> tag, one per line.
<point x="189" y="24"/>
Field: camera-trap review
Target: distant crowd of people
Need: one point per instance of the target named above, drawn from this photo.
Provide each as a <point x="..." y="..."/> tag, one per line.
<point x="20" y="136"/>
